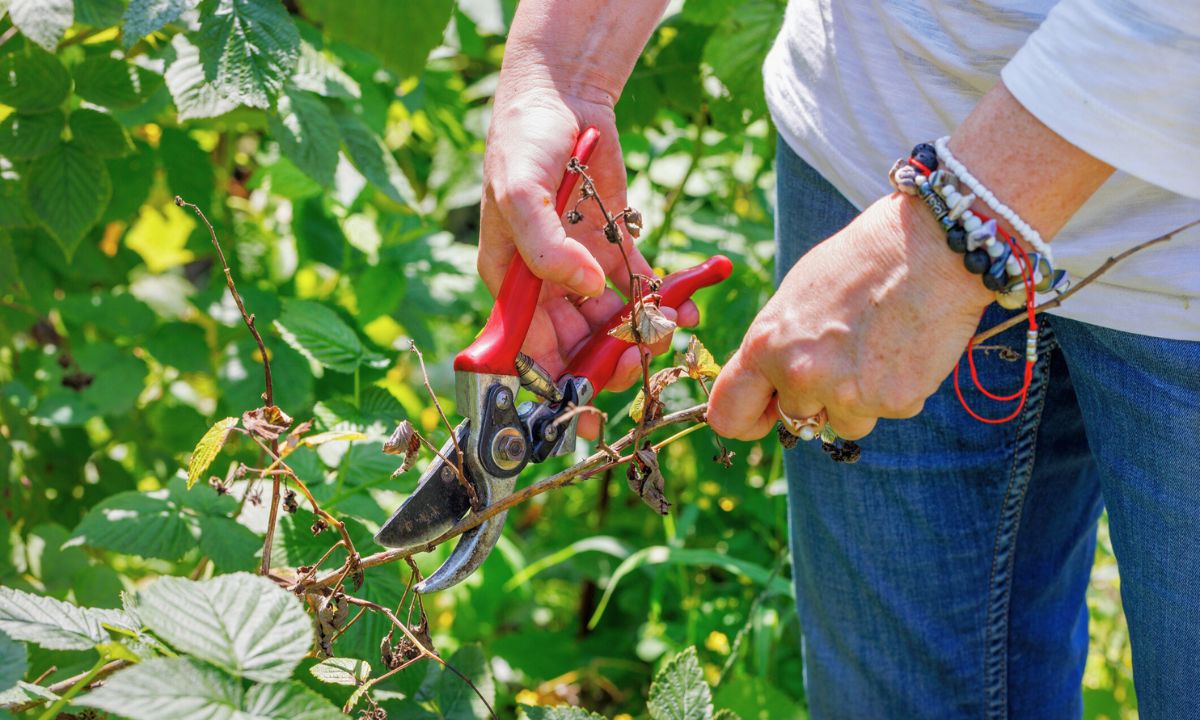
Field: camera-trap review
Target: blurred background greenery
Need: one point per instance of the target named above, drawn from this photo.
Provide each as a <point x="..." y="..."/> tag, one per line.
<point x="344" y="177"/>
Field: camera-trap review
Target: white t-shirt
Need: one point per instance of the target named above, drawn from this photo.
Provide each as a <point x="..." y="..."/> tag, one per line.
<point x="854" y="84"/>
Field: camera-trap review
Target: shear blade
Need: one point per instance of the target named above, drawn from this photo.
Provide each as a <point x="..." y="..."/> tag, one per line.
<point x="435" y="505"/>
<point x="475" y="545"/>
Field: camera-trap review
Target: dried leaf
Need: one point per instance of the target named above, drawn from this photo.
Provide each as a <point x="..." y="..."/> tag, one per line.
<point x="659" y="382"/>
<point x="652" y="325"/>
<point x="294" y="437"/>
<point x="266" y="423"/>
<point x="646" y="479"/>
<point x="698" y="361"/>
<point x="633" y="221"/>
<point x="404" y="441"/>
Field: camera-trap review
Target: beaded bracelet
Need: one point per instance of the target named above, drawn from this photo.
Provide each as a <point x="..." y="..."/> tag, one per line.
<point x="985" y="250"/>
<point x="1024" y="229"/>
<point x="1007" y="269"/>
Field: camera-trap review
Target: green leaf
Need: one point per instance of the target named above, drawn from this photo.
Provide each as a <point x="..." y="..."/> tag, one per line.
<point x="50" y="623"/>
<point x="13" y="662"/>
<point x="137" y="173"/>
<point x="33" y="79"/>
<point x="167" y="687"/>
<point x="98" y="132"/>
<point x="24" y="136"/>
<point x="307" y="134"/>
<point x="737" y="47"/>
<point x="664" y="555"/>
<point x="143" y="17"/>
<point x="67" y="190"/>
<point x="241" y="622"/>
<point x="207" y="449"/>
<point x="708" y="12"/>
<point x="189" y="168"/>
<point x="374" y="160"/>
<point x="372" y="25"/>
<point x="558" y="712"/>
<point x="341" y="671"/>
<point x="114" y="83"/>
<point x="42" y="21"/>
<point x="24" y="692"/>
<point x="146" y="524"/>
<point x="320" y="335"/>
<point x="98" y="13"/>
<point x="194" y="95"/>
<point x="679" y="691"/>
<point x="248" y="48"/>
<point x="287" y="701"/>
<point x="754" y="697"/>
<point x="317" y="73"/>
<point x="229" y="544"/>
<point x="456" y="699"/>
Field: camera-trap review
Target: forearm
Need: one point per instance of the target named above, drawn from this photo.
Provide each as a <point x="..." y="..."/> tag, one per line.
<point x="1028" y="166"/>
<point x="585" y="49"/>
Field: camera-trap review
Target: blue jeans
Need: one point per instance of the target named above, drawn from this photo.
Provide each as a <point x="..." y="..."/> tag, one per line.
<point x="944" y="574"/>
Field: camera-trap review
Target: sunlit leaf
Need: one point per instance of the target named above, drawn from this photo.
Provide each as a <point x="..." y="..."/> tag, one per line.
<point x="320" y="335"/>
<point x="307" y="134"/>
<point x="194" y="95"/>
<point x="341" y="671"/>
<point x="114" y="83"/>
<point x="143" y="17"/>
<point x="241" y="622"/>
<point x="47" y="622"/>
<point x="248" y="48"/>
<point x="42" y="21"/>
<point x="679" y="691"/>
<point x="207" y="449"/>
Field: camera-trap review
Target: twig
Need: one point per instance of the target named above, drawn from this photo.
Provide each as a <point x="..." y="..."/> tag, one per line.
<point x="595" y="463"/>
<point x="63" y="686"/>
<point x="425" y="652"/>
<point x="269" y="395"/>
<point x="1051" y="304"/>
<point x="457" y="464"/>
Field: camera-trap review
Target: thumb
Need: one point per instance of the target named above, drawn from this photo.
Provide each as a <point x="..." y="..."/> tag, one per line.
<point x="542" y="241"/>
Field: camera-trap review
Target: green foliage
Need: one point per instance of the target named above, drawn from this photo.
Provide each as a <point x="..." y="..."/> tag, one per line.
<point x="337" y="149"/>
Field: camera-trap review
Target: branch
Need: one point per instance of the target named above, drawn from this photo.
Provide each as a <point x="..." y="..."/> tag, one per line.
<point x="269" y="395"/>
<point x="62" y="686"/>
<point x="1108" y="264"/>
<point x="597" y="462"/>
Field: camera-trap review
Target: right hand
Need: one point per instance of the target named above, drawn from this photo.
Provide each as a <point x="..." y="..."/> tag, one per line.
<point x="532" y="133"/>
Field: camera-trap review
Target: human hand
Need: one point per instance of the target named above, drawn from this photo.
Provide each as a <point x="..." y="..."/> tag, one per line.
<point x="532" y="133"/>
<point x="865" y="326"/>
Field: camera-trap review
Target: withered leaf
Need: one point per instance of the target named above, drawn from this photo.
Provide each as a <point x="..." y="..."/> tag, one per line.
<point x="651" y="325"/>
<point x="698" y="361"/>
<point x="646" y="479"/>
<point x="293" y="438"/>
<point x="659" y="381"/>
<point x="404" y="441"/>
<point x="266" y="423"/>
<point x="725" y="457"/>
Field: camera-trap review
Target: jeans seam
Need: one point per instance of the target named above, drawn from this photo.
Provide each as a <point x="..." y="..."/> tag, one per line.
<point x="995" y="665"/>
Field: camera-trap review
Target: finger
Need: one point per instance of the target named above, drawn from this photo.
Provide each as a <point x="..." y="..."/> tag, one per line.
<point x="614" y="265"/>
<point x="849" y="426"/>
<point x="741" y="402"/>
<point x="689" y="314"/>
<point x="589" y="426"/>
<point x="567" y="324"/>
<point x="599" y="310"/>
<point x="543" y="243"/>
<point x="627" y="372"/>
<point x="801" y="410"/>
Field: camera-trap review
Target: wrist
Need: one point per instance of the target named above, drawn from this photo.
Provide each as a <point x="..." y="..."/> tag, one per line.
<point x="530" y="71"/>
<point x="927" y="254"/>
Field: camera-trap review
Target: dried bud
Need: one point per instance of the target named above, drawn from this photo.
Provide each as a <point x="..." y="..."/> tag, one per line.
<point x="319" y="526"/>
<point x="612" y="233"/>
<point x="404" y="441"/>
<point x="77" y="381"/>
<point x="725" y="457"/>
<point x="290" y="504"/>
<point x="633" y="222"/>
<point x="574" y="216"/>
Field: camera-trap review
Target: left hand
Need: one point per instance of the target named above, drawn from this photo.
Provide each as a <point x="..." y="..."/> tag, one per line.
<point x="865" y="326"/>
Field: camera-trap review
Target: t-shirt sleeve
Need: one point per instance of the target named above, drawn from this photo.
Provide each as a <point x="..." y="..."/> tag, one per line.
<point x="1119" y="79"/>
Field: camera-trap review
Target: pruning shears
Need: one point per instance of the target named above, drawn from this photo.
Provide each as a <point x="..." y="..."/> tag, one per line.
<point x="498" y="438"/>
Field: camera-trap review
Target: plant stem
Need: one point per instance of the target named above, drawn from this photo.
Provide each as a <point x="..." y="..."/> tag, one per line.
<point x="269" y="395"/>
<point x="597" y="462"/>
<point x="52" y="711"/>
<point x="1105" y="267"/>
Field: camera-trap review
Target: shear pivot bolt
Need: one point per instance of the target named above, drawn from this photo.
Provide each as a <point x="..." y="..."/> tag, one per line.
<point x="508" y="448"/>
<point x="503" y="399"/>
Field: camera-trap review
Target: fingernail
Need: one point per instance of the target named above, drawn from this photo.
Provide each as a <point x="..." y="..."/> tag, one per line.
<point x="585" y="283"/>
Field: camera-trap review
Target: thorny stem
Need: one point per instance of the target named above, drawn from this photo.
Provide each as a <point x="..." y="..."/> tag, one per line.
<point x="1105" y="267"/>
<point x="596" y="463"/>
<point x="425" y="652"/>
<point x="457" y="464"/>
<point x="269" y="395"/>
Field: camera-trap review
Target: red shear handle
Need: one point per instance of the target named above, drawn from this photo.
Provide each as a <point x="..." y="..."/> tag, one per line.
<point x="597" y="360"/>
<point x="496" y="348"/>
